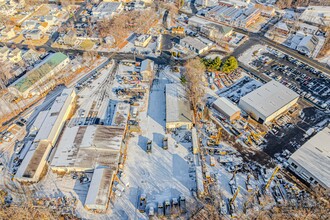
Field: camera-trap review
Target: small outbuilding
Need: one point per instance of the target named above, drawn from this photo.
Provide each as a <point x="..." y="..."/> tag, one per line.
<point x="228" y="109"/>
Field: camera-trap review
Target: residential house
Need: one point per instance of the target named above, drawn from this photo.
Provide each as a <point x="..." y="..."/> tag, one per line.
<point x="30" y="24"/>
<point x="8" y="33"/>
<point x="4" y="51"/>
<point x="70" y="38"/>
<point x="15" y="55"/>
<point x="35" y="34"/>
<point x="50" y="19"/>
<point x="281" y="28"/>
<point x="267" y="11"/>
<point x="31" y="56"/>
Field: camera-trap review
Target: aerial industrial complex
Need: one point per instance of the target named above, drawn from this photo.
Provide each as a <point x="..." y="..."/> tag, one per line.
<point x="164" y="110"/>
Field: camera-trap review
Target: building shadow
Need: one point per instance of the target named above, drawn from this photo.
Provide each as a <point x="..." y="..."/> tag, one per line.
<point x="142" y="142"/>
<point x="180" y="169"/>
<point x="158" y="139"/>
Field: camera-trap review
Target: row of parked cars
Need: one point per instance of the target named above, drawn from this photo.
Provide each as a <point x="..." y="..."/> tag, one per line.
<point x="173" y="207"/>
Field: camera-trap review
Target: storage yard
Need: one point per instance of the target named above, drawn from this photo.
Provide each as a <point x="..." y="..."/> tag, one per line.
<point x="144" y="110"/>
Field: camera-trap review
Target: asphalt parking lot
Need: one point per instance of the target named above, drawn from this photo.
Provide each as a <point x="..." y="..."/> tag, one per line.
<point x="305" y="80"/>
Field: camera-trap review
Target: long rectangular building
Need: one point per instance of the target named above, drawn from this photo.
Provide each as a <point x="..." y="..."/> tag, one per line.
<point x="99" y="190"/>
<point x="268" y="101"/>
<point x="312" y="160"/>
<point x="178" y="111"/>
<point x="34" y="81"/>
<point x="48" y="127"/>
<point x="228" y="109"/>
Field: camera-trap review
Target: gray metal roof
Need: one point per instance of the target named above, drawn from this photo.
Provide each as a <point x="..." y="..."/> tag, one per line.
<point x="269" y="98"/>
<point x="226" y="106"/>
<point x="86" y="146"/>
<point x="177" y="104"/>
<point x="314" y="156"/>
<point x="99" y="190"/>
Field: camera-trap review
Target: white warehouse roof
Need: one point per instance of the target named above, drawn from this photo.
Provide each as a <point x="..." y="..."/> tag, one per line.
<point x="55" y="116"/>
<point x="269" y="98"/>
<point x="177" y="104"/>
<point x="84" y="147"/>
<point x="226" y="106"/>
<point x="99" y="189"/>
<point x="314" y="156"/>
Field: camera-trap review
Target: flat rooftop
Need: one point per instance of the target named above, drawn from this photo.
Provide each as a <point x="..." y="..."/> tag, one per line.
<point x="99" y="190"/>
<point x="177" y="104"/>
<point x="85" y="147"/>
<point x="33" y="160"/>
<point x="314" y="156"/>
<point x="107" y="7"/>
<point x="195" y="42"/>
<point x="38" y="122"/>
<point x="269" y="98"/>
<point x="316" y="14"/>
<point x="54" y="114"/>
<point x="226" y="106"/>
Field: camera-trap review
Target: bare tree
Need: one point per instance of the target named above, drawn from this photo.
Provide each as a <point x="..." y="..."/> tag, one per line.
<point x="194" y="75"/>
<point x="120" y="26"/>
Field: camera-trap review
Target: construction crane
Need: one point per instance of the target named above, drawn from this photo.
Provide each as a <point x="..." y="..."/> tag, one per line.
<point x="249" y="200"/>
<point x="232" y="200"/>
<point x="272" y="177"/>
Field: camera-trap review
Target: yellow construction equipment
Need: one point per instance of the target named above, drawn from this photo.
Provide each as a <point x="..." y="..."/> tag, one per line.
<point x="232" y="200"/>
<point x="218" y="138"/>
<point x="215" y="139"/>
<point x="178" y="30"/>
<point x="249" y="200"/>
<point x="247" y="183"/>
<point x="272" y="177"/>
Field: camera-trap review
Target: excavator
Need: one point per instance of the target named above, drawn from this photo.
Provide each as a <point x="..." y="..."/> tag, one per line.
<point x="272" y="177"/>
<point x="232" y="202"/>
<point x="215" y="139"/>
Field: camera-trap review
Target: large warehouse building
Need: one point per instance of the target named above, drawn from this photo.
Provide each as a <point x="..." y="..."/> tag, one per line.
<point x="47" y="128"/>
<point x="83" y="148"/>
<point x="91" y="148"/>
<point x="178" y="112"/>
<point x="312" y="160"/>
<point x="268" y="101"/>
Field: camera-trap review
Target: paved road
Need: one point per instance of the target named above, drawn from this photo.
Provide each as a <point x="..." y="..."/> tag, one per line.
<point x="255" y="38"/>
